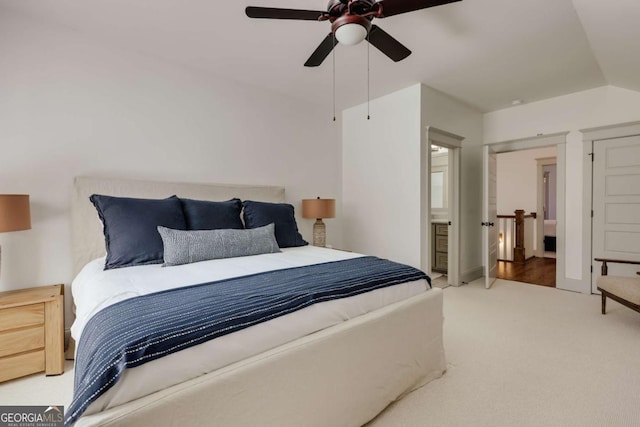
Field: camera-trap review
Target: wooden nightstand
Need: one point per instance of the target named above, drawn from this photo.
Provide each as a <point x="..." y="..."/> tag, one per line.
<point x="31" y="331"/>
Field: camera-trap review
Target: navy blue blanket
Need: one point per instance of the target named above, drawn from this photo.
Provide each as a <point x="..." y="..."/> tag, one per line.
<point x="144" y="328"/>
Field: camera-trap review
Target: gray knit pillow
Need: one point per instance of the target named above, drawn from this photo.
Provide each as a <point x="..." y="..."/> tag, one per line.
<point x="184" y="247"/>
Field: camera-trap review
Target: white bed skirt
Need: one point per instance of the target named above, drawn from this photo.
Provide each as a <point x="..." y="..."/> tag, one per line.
<point x="342" y="376"/>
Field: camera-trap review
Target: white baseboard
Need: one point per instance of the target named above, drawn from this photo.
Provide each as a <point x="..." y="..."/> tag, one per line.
<point x="574" y="285"/>
<point x="471" y="275"/>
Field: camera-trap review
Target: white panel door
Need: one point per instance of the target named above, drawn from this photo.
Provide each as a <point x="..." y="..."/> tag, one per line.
<point x="490" y="215"/>
<point x="616" y="204"/>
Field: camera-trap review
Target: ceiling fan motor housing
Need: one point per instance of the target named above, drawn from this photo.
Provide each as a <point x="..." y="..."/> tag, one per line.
<point x="350" y="19"/>
<point x="337" y="8"/>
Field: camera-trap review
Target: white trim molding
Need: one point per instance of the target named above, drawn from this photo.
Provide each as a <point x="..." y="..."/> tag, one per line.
<point x="530" y="142"/>
<point x="558" y="140"/>
<point x="453" y="142"/>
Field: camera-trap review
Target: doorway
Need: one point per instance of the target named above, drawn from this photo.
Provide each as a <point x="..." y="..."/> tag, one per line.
<point x="547" y="223"/>
<point x="526" y="207"/>
<point x="439" y="247"/>
<point x="440" y="238"/>
<point x="523" y="200"/>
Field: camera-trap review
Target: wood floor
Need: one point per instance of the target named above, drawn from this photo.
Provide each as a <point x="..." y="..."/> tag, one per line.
<point x="539" y="271"/>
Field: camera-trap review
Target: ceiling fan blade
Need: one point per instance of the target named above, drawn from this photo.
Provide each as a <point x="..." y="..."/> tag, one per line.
<point x="322" y="51"/>
<point x="396" y="7"/>
<point x="387" y="44"/>
<point x="276" y="13"/>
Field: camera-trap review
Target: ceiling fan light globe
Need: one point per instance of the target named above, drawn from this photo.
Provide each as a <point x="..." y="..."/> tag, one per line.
<point x="351" y="34"/>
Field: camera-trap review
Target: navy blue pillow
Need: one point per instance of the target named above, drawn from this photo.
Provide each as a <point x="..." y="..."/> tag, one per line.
<point x="259" y="214"/>
<point x="131" y="228"/>
<point x="206" y="215"/>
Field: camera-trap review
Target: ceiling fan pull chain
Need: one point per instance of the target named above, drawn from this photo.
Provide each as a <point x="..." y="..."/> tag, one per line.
<point x="368" y="77"/>
<point x="333" y="54"/>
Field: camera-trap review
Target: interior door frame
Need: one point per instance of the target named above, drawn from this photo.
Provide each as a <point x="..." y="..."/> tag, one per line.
<point x="559" y="140"/>
<point x="490" y="216"/>
<point x="590" y="137"/>
<point x="453" y="143"/>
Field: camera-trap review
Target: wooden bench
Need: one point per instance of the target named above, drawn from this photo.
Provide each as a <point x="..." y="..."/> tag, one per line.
<point x="623" y="289"/>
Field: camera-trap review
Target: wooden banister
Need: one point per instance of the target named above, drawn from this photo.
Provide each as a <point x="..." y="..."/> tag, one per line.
<point x="518" y="239"/>
<point x="518" y="251"/>
<point x="531" y="215"/>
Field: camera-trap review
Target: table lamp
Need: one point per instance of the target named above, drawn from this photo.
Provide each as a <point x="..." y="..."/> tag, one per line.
<point x="15" y="214"/>
<point x="318" y="209"/>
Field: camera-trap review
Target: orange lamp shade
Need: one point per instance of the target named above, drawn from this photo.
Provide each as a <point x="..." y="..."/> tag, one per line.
<point x="319" y="208"/>
<point x="15" y="214"/>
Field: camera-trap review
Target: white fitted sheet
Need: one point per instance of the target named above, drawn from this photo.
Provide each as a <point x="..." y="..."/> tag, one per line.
<point x="95" y="289"/>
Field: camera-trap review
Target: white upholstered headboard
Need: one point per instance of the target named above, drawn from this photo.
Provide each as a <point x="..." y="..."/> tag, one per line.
<point x="87" y="239"/>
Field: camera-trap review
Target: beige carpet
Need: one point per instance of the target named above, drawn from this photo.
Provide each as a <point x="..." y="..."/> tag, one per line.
<point x="518" y="355"/>
<point x="526" y="355"/>
<point x="38" y="389"/>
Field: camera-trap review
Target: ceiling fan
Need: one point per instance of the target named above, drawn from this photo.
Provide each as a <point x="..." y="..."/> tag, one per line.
<point x="351" y="23"/>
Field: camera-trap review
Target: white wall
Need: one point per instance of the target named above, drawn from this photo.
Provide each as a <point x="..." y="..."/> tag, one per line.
<point x="597" y="107"/>
<point x="71" y="106"/>
<point x="381" y="177"/>
<point x="517" y="180"/>
<point x="382" y="173"/>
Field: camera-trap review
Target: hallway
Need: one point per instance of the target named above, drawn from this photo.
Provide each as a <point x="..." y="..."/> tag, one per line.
<point x="538" y="271"/>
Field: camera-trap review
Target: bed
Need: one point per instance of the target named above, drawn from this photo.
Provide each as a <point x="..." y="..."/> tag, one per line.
<point x="550" y="235"/>
<point x="369" y="350"/>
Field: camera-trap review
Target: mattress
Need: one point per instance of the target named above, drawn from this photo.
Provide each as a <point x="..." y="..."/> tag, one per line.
<point x="95" y="289"/>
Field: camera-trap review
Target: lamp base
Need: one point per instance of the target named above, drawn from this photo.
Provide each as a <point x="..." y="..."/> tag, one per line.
<point x="319" y="233"/>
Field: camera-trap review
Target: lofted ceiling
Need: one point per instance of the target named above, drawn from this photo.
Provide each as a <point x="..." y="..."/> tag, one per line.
<point x="486" y="53"/>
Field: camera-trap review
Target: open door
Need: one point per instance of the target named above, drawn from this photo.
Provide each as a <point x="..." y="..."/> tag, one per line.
<point x="543" y="202"/>
<point x="490" y="215"/>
